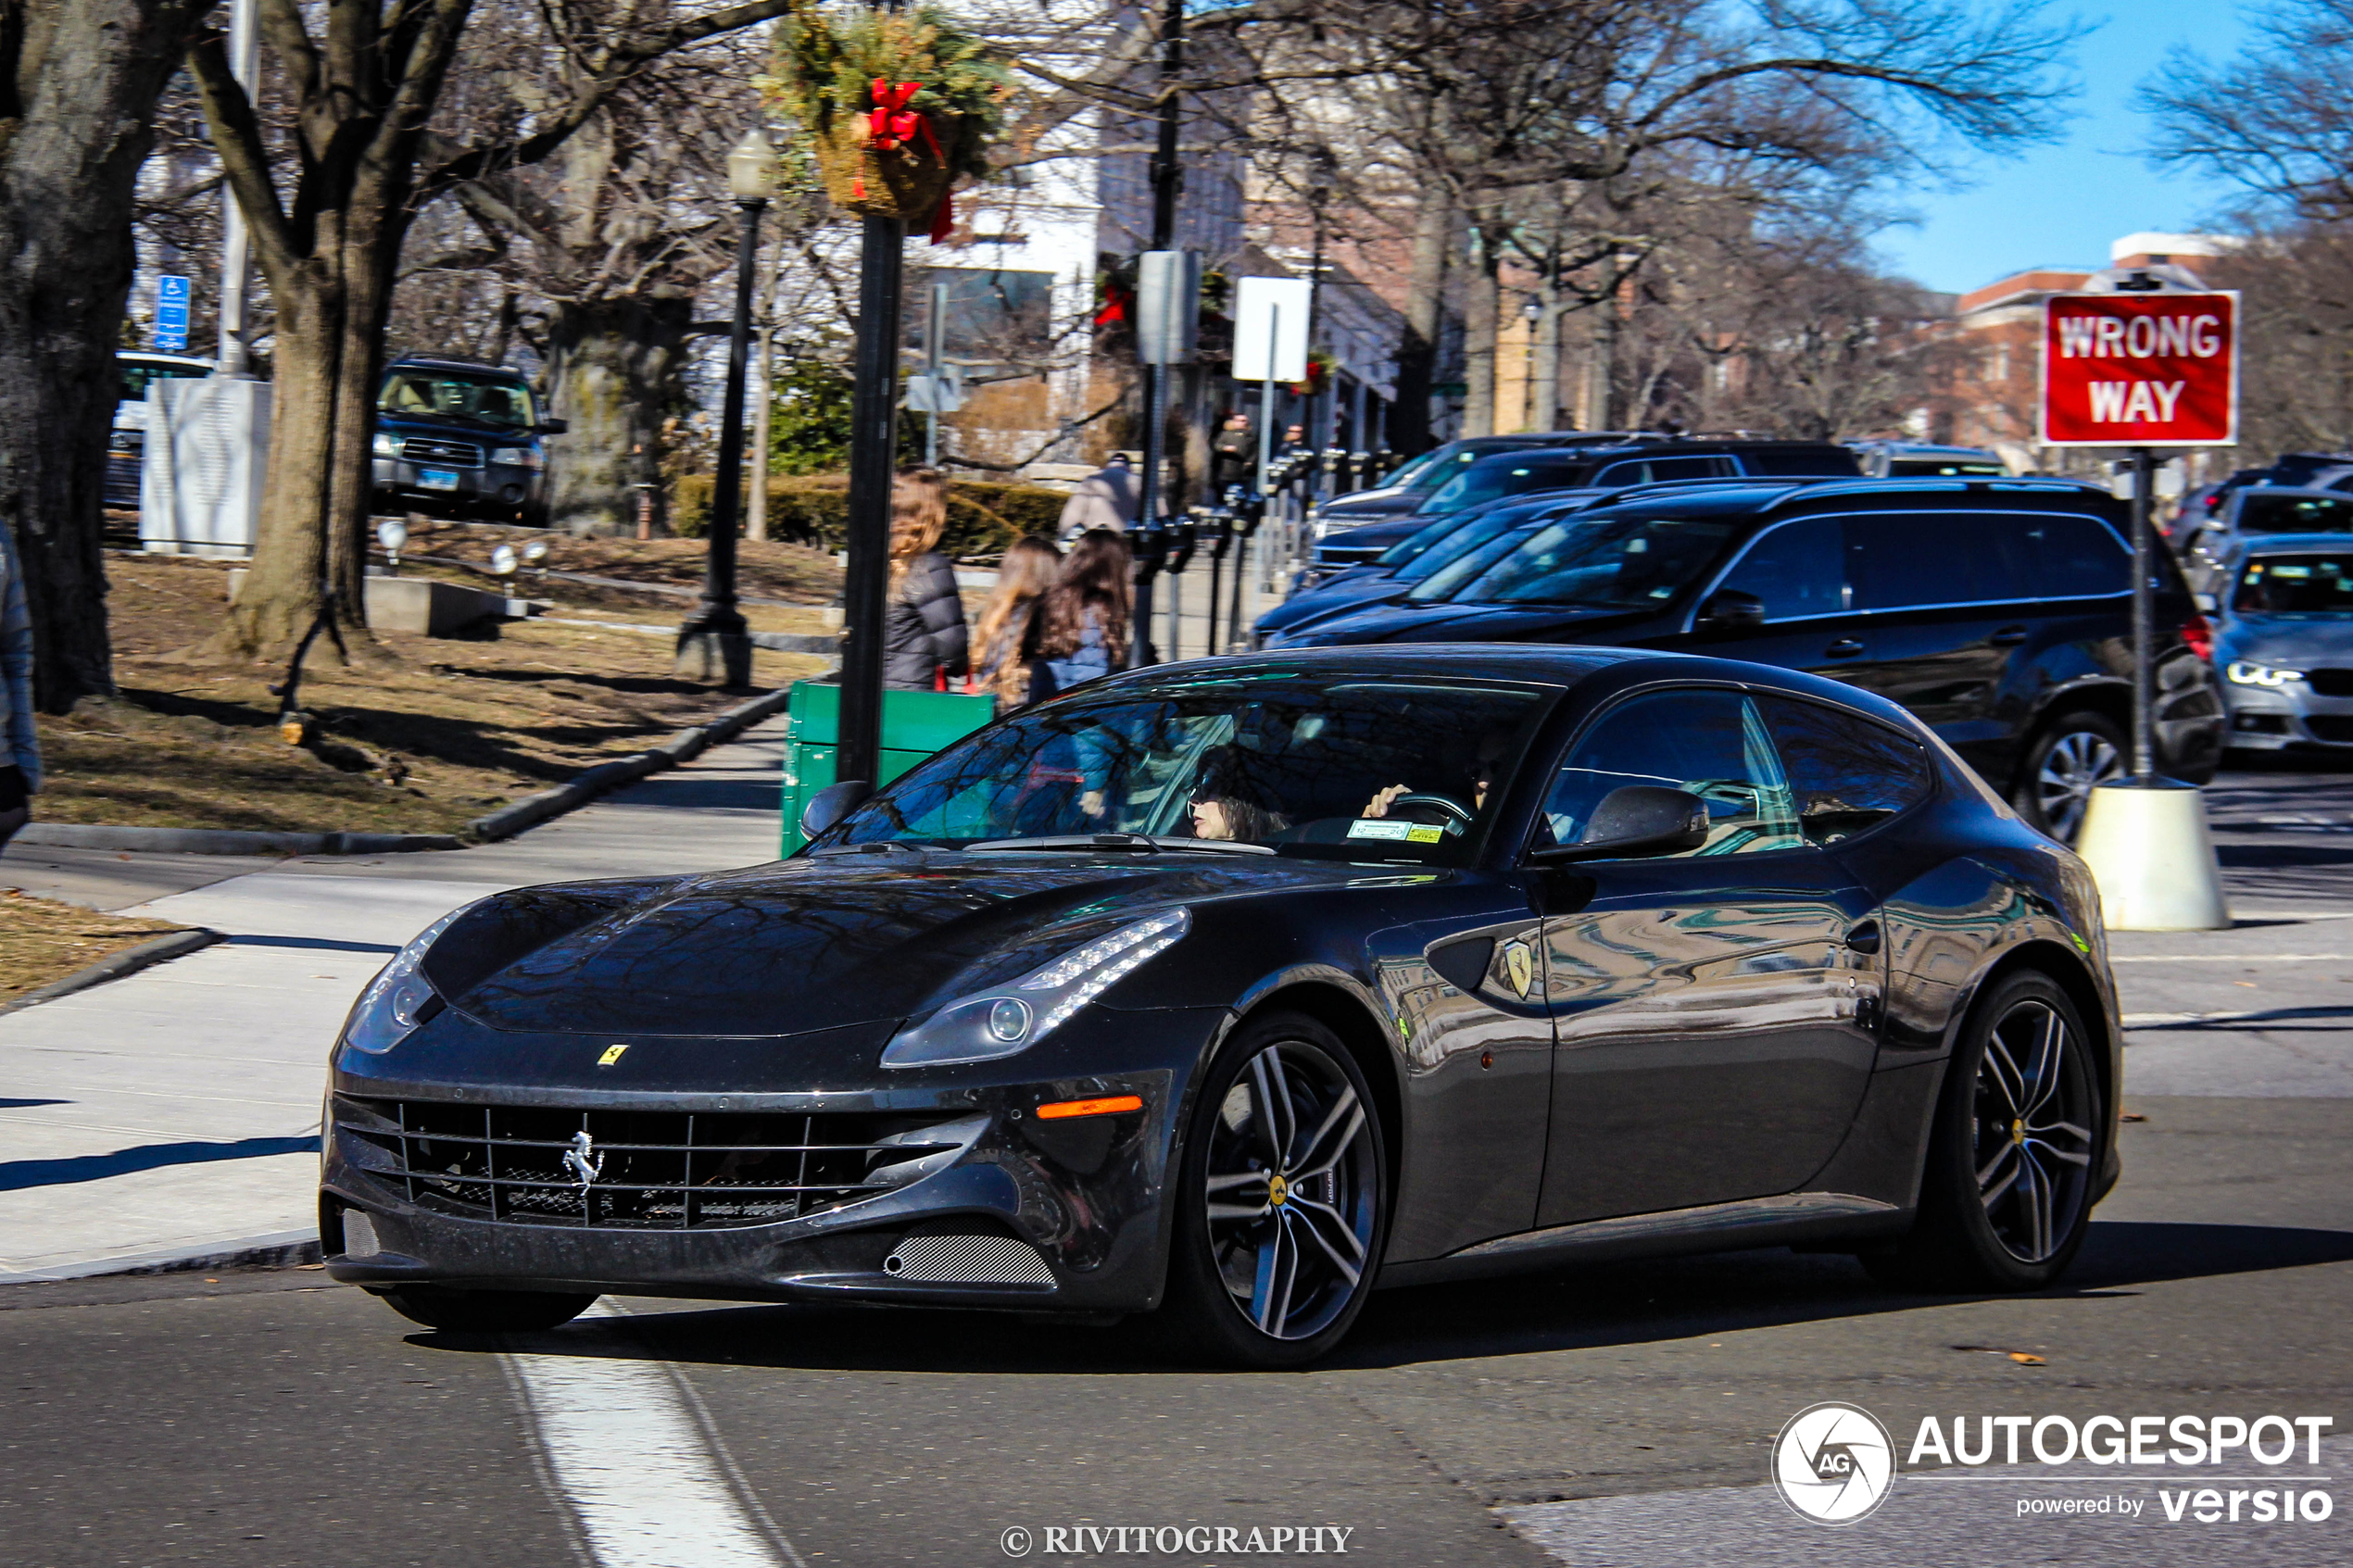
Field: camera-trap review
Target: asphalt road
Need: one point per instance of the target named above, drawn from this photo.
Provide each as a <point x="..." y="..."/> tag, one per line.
<point x="1620" y="1415"/>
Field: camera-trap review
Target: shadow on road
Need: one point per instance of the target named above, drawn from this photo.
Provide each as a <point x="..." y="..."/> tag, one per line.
<point x="1603" y="1305"/>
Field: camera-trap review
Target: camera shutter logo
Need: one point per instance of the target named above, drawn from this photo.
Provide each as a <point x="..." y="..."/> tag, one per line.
<point x="1833" y="1464"/>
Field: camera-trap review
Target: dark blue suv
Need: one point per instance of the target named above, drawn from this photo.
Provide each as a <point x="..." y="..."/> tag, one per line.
<point x="458" y="439"/>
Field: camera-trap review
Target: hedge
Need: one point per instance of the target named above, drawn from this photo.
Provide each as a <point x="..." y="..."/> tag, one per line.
<point x="983" y="517"/>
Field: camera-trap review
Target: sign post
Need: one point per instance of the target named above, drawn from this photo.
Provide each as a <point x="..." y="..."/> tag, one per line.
<point x="2139" y="362"/>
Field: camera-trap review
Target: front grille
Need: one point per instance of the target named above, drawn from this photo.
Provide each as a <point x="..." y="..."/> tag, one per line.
<point x="652" y="1170"/>
<point x="2334" y="728"/>
<point x="2330" y="682"/>
<point x="1347" y="554"/>
<point x="457" y="454"/>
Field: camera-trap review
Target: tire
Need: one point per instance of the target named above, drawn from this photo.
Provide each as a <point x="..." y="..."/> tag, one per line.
<point x="1253" y="1226"/>
<point x="2070" y="755"/>
<point x="484" y="1311"/>
<point x="2014" y="1153"/>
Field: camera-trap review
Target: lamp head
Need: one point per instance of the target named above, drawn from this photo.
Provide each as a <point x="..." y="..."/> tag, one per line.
<point x="751" y="167"/>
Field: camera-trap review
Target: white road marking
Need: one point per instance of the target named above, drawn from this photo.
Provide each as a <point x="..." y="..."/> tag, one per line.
<point x="2233" y="958"/>
<point x="2266" y="1015"/>
<point x="646" y="1481"/>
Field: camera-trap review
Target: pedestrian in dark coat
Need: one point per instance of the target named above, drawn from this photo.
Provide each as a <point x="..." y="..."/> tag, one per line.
<point x="924" y="632"/>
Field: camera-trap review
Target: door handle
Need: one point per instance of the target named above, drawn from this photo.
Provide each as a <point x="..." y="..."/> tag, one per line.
<point x="1845" y="647"/>
<point x="2008" y="637"/>
<point x="1863" y="938"/>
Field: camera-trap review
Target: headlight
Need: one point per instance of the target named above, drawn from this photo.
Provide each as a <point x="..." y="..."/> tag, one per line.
<point x="1015" y="1016"/>
<point x="519" y="457"/>
<point x="399" y="999"/>
<point x="388" y="446"/>
<point x="2246" y="672"/>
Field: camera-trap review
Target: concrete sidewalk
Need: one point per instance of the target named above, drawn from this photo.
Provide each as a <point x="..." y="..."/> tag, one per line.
<point x="176" y="1111"/>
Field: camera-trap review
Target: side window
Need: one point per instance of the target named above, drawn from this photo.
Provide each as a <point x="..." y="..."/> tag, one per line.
<point x="1714" y="744"/>
<point x="1900" y="562"/>
<point x="1666" y="468"/>
<point x="1635" y="473"/>
<point x="1796" y="570"/>
<point x="1848" y="774"/>
<point x="2078" y="557"/>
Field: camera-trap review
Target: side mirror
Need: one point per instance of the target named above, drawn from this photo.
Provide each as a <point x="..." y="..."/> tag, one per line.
<point x="1729" y="609"/>
<point x="552" y="427"/>
<point x="831" y="804"/>
<point x="1636" y="820"/>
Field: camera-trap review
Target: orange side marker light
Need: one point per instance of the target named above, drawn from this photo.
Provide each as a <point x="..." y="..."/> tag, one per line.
<point x="1110" y="1107"/>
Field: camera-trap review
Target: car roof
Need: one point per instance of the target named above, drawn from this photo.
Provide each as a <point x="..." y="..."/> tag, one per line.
<point x="2291" y="544"/>
<point x="1655" y="447"/>
<point x="2308" y="491"/>
<point x="151" y="357"/>
<point x="1931" y="493"/>
<point x="1541" y="664"/>
<point x="472" y="367"/>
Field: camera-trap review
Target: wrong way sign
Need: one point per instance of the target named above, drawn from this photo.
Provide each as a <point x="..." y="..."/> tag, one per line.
<point x="2141" y="370"/>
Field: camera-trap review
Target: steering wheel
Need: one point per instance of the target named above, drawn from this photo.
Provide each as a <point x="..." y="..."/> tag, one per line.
<point x="1439" y="803"/>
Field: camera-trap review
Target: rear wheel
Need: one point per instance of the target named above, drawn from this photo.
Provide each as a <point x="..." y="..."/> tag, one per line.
<point x="485" y="1311"/>
<point x="1283" y="1197"/>
<point x="2014" y="1153"/>
<point x="2074" y="755"/>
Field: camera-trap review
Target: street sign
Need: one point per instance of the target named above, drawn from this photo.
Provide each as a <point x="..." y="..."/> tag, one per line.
<point x="1270" y="329"/>
<point x="941" y="394"/>
<point x="170" y="335"/>
<point x="2141" y="370"/>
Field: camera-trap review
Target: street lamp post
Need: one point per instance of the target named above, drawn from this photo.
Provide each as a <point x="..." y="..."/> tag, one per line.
<point x="873" y="433"/>
<point x="715" y="633"/>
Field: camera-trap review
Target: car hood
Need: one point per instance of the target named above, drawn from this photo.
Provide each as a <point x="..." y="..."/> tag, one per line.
<point x="2289" y="640"/>
<point x="1445" y="623"/>
<point x="1338" y="596"/>
<point x="808" y="944"/>
<point x="1369" y="505"/>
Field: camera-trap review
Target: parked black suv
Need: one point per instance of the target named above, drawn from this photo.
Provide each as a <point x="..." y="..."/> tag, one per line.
<point x="1613" y="466"/>
<point x="458" y="439"/>
<point x="1998" y="610"/>
<point x="1414" y="480"/>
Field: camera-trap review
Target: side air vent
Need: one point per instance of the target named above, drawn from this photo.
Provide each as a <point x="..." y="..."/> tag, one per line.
<point x="968" y="1260"/>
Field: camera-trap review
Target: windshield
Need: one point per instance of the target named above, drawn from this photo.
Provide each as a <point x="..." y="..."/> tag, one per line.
<point x="2260" y="513"/>
<point x="137" y="375"/>
<point x="1476" y="485"/>
<point x="1442" y="581"/>
<point x="2296" y="585"/>
<point x="451" y="394"/>
<point x="1932" y="467"/>
<point x="1601" y="563"/>
<point x="1482" y="530"/>
<point x="1316" y="767"/>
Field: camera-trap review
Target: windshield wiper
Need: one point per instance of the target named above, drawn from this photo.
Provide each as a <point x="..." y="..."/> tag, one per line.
<point x="1143" y="843"/>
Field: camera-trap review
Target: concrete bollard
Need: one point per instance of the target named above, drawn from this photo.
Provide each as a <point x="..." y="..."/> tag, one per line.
<point x="2153" y="859"/>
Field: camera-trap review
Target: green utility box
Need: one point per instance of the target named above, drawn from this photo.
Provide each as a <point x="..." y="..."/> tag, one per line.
<point x="915" y="724"/>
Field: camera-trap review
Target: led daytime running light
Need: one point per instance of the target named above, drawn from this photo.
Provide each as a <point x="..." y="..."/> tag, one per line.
<point x="2247" y="673"/>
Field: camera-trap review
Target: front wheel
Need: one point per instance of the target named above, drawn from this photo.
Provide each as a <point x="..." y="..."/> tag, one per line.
<point x="2013" y="1155"/>
<point x="2075" y="755"/>
<point x="1283" y="1197"/>
<point x="485" y="1311"/>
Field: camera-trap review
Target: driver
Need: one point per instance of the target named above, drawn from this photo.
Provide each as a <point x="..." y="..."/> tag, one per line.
<point x="1482" y="780"/>
<point x="1228" y="806"/>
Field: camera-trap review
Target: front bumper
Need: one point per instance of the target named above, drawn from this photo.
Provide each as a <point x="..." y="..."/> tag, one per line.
<point x="502" y="486"/>
<point x="2292" y="717"/>
<point x="1086" y="1194"/>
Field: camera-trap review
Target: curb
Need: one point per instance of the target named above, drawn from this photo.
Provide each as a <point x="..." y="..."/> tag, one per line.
<point x="131" y="960"/>
<point x="280" y="1249"/>
<point x="505" y="822"/>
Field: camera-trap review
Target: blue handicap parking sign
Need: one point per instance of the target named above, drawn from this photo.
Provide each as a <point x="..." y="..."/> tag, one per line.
<point x="171" y="314"/>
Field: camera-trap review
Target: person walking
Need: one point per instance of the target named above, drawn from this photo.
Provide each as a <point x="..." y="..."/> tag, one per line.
<point x="1107" y="498"/>
<point x="1234" y="453"/>
<point x="924" y="637"/>
<point x="19" y="742"/>
<point x="1008" y="631"/>
<point x="1083" y="619"/>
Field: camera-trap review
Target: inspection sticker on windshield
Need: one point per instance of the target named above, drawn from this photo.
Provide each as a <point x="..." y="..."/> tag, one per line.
<point x="1379" y="827"/>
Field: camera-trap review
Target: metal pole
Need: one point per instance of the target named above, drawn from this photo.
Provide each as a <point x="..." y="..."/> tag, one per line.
<point x="874" y="421"/>
<point x="1167" y="179"/>
<point x="2144" y="620"/>
<point x="934" y="330"/>
<point x="236" y="245"/>
<point x="717" y="616"/>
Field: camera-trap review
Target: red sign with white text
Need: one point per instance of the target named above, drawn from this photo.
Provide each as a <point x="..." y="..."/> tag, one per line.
<point x="2141" y="370"/>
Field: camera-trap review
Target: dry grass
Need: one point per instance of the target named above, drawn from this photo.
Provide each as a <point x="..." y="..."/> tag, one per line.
<point x="422" y="737"/>
<point x="41" y="941"/>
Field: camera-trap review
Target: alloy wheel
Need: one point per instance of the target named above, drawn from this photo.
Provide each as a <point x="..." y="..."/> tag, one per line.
<point x="1292" y="1190"/>
<point x="2033" y="1131"/>
<point x="2076" y="763"/>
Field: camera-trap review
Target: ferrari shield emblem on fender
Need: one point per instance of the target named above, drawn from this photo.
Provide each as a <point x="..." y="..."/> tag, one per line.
<point x="612" y="1054"/>
<point x="1520" y="963"/>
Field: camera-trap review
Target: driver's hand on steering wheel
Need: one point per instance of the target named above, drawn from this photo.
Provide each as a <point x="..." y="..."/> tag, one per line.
<point x="1381" y="801"/>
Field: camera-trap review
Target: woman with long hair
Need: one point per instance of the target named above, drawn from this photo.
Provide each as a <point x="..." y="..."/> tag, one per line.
<point x="1006" y="633"/>
<point x="1082" y="622"/>
<point x="924" y="631"/>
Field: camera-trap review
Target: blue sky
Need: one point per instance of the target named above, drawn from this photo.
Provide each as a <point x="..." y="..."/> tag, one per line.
<point x="2064" y="201"/>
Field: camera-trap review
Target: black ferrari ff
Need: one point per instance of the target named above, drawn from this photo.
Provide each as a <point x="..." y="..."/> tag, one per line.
<point x="1234" y="989"/>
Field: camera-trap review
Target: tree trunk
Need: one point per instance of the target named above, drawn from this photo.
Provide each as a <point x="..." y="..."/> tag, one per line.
<point x="1482" y="301"/>
<point x="79" y="86"/>
<point x="612" y="371"/>
<point x="1424" y="311"/>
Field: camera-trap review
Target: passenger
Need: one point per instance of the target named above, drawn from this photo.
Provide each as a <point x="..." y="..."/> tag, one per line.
<point x="925" y="639"/>
<point x="1008" y="631"/>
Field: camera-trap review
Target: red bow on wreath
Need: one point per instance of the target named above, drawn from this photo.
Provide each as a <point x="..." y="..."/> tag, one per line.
<point x="894" y="127"/>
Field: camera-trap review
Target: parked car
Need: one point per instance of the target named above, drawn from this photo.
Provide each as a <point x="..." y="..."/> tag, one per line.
<point x="2283" y="641"/>
<point x="1921" y="460"/>
<point x="1404" y="491"/>
<point x="1234" y="990"/>
<point x="126" y="447"/>
<point x="459" y="439"/>
<point x="2259" y="511"/>
<point x="1609" y="467"/>
<point x="1999" y="611"/>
